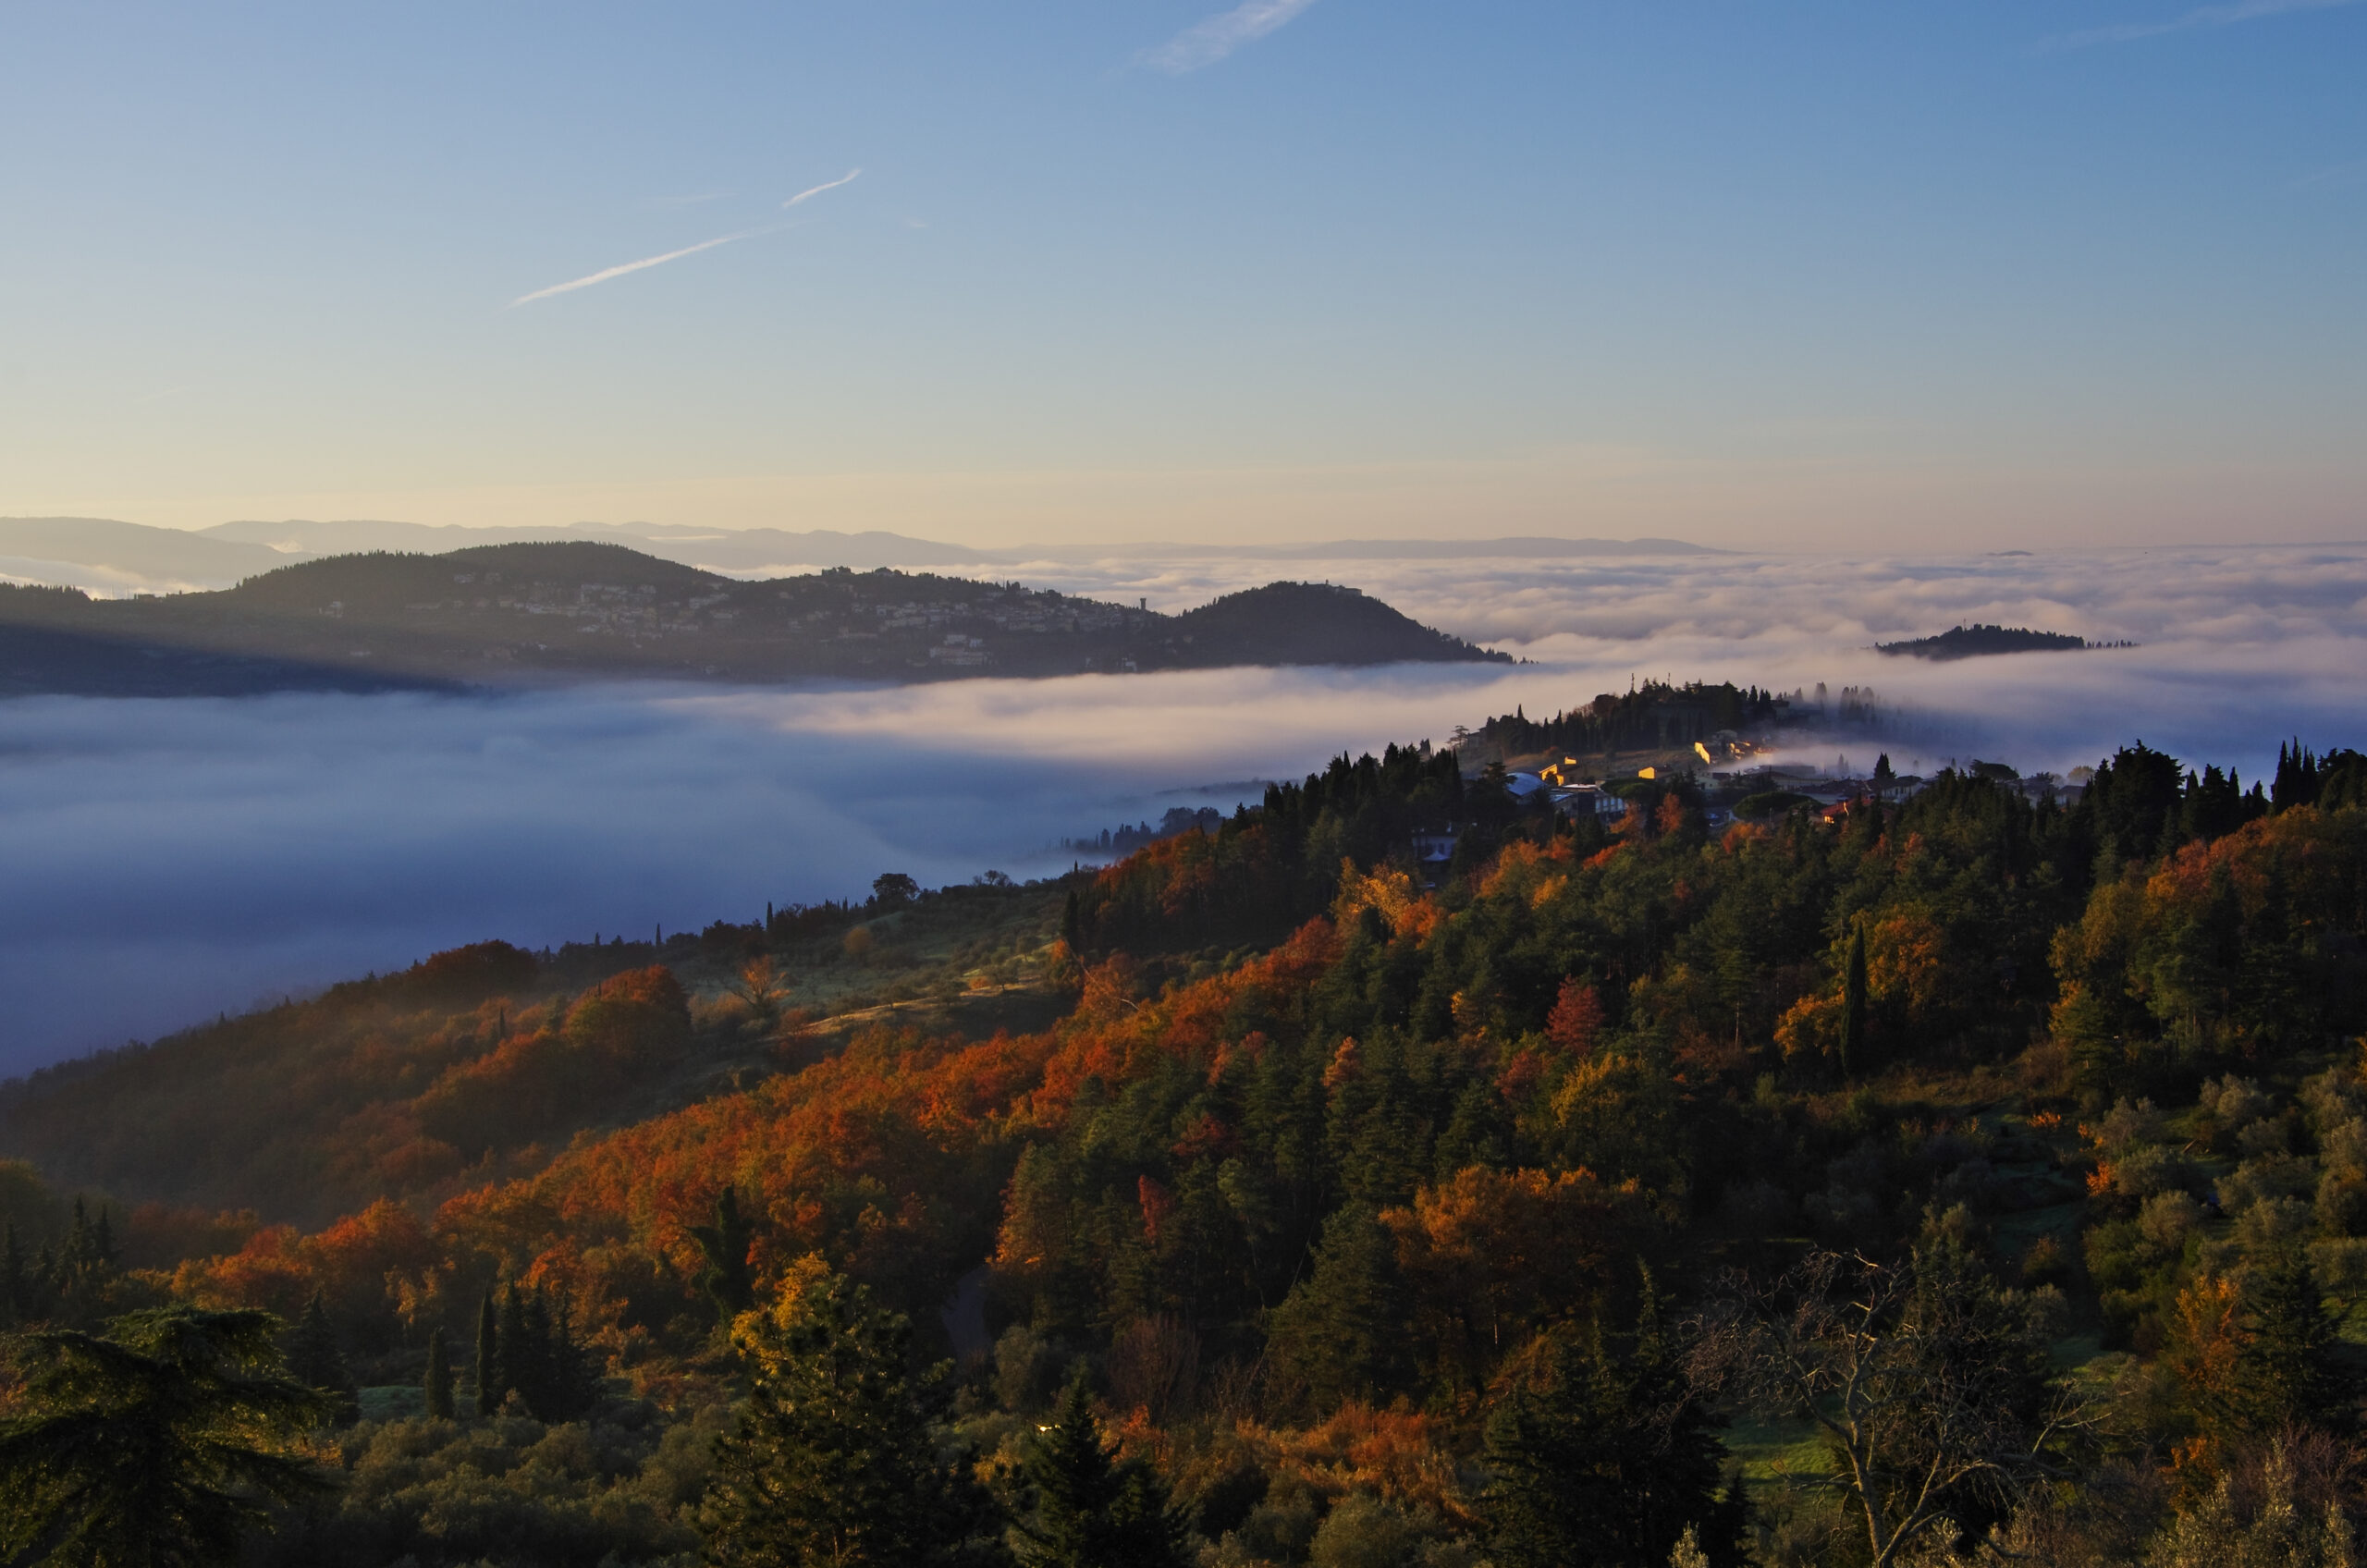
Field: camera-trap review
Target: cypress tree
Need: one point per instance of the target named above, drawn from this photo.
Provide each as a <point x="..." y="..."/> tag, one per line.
<point x="1853" y="1003"/>
<point x="14" y="1298"/>
<point x="1091" y="1512"/>
<point x="440" y="1378"/>
<point x="79" y="1246"/>
<point x="1072" y="921"/>
<point x="488" y="1357"/>
<point x="512" y="1350"/>
<point x="727" y="1280"/>
<point x="533" y="1369"/>
<point x="574" y="1381"/>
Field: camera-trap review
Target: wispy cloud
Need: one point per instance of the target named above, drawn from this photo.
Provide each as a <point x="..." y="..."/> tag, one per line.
<point x="604" y="273"/>
<point x="2339" y="174"/>
<point x="2200" y="16"/>
<point x="642" y="265"/>
<point x="1206" y="43"/>
<point x="816" y="190"/>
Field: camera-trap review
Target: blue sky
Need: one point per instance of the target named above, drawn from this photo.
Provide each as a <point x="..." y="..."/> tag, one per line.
<point x="1793" y="274"/>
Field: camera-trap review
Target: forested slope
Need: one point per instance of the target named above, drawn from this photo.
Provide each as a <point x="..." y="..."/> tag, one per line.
<point x="1497" y="1218"/>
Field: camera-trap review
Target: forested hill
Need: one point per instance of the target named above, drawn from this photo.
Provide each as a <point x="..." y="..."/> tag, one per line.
<point x="1970" y="642"/>
<point x="1605" y="1184"/>
<point x="572" y="610"/>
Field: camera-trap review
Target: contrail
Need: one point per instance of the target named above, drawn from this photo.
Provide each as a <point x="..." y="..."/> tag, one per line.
<point x="833" y="185"/>
<point x="2200" y="16"/>
<point x="603" y="275"/>
<point x="1207" y="42"/>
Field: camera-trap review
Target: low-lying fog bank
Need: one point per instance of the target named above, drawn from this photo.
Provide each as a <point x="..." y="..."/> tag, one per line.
<point x="165" y="860"/>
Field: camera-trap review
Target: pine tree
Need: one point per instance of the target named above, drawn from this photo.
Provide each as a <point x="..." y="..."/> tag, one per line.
<point x="834" y="1459"/>
<point x="1342" y="1328"/>
<point x="2291" y="1358"/>
<point x="1853" y="1003"/>
<point x="1609" y="1463"/>
<point x="1090" y="1511"/>
<point x="440" y="1378"/>
<point x="488" y="1361"/>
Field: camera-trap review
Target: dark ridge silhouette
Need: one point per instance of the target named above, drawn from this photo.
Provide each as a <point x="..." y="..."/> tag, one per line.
<point x="536" y="613"/>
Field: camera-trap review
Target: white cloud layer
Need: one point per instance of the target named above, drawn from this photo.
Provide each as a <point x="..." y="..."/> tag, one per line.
<point x="168" y="859"/>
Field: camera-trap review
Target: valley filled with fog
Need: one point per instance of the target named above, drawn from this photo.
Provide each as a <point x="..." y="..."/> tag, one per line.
<point x="170" y="859"/>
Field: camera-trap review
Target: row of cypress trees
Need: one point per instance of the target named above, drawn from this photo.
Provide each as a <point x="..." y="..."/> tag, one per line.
<point x="525" y="1345"/>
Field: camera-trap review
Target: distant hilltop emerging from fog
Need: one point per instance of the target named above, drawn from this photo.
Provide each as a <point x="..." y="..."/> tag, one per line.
<point x="108" y="557"/>
<point x="526" y="614"/>
<point x="1970" y="642"/>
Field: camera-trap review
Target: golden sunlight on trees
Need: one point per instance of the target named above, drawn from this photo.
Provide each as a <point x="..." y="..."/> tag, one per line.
<point x="161" y="1441"/>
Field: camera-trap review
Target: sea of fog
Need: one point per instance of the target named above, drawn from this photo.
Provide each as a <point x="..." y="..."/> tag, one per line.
<point x="161" y="861"/>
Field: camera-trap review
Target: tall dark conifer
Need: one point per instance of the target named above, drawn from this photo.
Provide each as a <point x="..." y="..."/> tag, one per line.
<point x="103" y="1250"/>
<point x="727" y="1280"/>
<point x="314" y="1358"/>
<point x="1341" y="1328"/>
<point x="1607" y="1461"/>
<point x="440" y="1378"/>
<point x="2292" y="1365"/>
<point x="835" y="1459"/>
<point x="513" y="1350"/>
<point x="1853" y="1004"/>
<point x="15" y="1300"/>
<point x="488" y="1359"/>
<point x="1090" y="1511"/>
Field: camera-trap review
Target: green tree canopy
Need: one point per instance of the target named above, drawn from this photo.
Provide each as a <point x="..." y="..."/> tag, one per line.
<point x="835" y="1457"/>
<point x="1608" y="1460"/>
<point x="156" y="1443"/>
<point x="1090" y="1511"/>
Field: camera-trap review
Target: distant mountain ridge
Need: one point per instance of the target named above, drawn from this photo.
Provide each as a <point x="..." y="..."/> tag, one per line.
<point x="106" y="556"/>
<point x="520" y="614"/>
